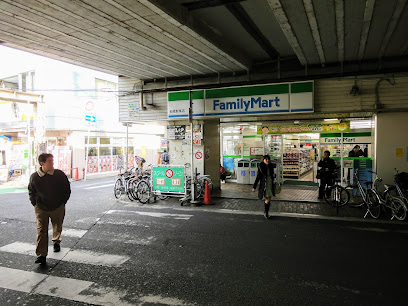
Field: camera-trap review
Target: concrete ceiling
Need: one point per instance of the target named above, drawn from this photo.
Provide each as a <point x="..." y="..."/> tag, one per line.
<point x="155" y="39"/>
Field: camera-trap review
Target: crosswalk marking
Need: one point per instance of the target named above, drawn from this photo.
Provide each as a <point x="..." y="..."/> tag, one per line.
<point x="61" y="287"/>
<point x="152" y="214"/>
<point x="70" y="232"/>
<point x="67" y="254"/>
<point x="100" y="186"/>
<point x="84" y="184"/>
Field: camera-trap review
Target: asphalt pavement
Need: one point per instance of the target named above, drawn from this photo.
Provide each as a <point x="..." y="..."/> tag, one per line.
<point x="118" y="252"/>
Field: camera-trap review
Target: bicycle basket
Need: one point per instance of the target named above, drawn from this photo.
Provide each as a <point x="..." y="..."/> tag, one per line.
<point x="402" y="180"/>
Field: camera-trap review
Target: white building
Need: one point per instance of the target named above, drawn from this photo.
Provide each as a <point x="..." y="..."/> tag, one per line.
<point x="70" y="95"/>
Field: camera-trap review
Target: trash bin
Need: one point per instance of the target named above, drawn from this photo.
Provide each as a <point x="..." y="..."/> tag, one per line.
<point x="243" y="171"/>
<point x="253" y="169"/>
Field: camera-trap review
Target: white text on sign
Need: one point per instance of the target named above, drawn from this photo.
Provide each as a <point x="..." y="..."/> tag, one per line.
<point x="175" y="182"/>
<point x="160" y="182"/>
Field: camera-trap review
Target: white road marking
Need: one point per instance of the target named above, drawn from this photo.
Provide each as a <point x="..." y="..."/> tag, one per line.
<point x="101" y="186"/>
<point x="89" y="185"/>
<point x="152" y="214"/>
<point x="157" y="300"/>
<point x="66" y="254"/>
<point x="65" y="288"/>
<point x="75" y="289"/>
<point x="70" y="232"/>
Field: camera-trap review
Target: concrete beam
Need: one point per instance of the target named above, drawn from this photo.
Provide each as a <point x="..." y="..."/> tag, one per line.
<point x="368" y="15"/>
<point x="198" y="30"/>
<point x="339" y="8"/>
<point x="207" y="3"/>
<point x="286" y="27"/>
<point x="308" y="4"/>
<point x="243" y="18"/>
<point x="399" y="8"/>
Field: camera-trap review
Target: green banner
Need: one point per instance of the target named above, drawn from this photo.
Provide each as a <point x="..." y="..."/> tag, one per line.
<point x="168" y="179"/>
<point x="343" y="127"/>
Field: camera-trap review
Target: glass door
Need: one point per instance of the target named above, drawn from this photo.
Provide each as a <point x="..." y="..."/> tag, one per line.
<point x="273" y="145"/>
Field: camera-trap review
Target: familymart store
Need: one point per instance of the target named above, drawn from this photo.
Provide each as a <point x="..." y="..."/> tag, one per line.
<point x="250" y="126"/>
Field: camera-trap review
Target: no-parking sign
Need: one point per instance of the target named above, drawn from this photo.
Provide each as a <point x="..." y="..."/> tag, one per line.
<point x="198" y="154"/>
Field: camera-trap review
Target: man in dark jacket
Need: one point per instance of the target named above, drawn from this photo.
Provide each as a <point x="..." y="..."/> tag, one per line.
<point x="328" y="167"/>
<point x="49" y="191"/>
<point x="356" y="152"/>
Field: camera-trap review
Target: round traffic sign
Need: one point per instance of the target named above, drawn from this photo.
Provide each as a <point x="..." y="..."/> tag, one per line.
<point x="198" y="155"/>
<point x="169" y="173"/>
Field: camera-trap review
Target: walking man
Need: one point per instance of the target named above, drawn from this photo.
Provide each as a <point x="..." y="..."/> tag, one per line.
<point x="49" y="191"/>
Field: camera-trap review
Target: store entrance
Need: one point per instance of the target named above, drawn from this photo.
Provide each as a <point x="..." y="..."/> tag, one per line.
<point x="296" y="151"/>
<point x="296" y="156"/>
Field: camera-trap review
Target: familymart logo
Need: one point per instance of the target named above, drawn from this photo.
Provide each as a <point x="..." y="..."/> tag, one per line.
<point x="242" y="104"/>
<point x="245" y="100"/>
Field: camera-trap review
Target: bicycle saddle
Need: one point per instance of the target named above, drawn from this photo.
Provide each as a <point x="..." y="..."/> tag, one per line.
<point x="389" y="187"/>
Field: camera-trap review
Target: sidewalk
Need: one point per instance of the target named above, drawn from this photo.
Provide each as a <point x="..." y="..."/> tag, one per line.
<point x="311" y="210"/>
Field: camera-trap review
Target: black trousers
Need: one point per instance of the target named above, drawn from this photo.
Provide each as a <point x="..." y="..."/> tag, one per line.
<point x="323" y="183"/>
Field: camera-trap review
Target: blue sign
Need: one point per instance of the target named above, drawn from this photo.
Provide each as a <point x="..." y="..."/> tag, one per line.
<point x="89" y="118"/>
<point x="252" y="173"/>
<point x="242" y="172"/>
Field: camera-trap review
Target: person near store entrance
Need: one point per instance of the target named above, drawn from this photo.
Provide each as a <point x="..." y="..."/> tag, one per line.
<point x="356" y="152"/>
<point x="49" y="191"/>
<point x="165" y="158"/>
<point x="223" y="173"/>
<point x="328" y="167"/>
<point x="265" y="177"/>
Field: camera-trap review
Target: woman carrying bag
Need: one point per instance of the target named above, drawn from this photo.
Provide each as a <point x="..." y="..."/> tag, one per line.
<point x="265" y="176"/>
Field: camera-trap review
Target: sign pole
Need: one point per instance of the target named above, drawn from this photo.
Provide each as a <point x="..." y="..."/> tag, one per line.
<point x="29" y="139"/>
<point x="193" y="181"/>
<point x="127" y="147"/>
<point x="86" y="155"/>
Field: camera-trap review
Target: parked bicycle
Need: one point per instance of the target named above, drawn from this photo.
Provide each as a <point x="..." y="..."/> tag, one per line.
<point x="369" y="197"/>
<point x="122" y="184"/>
<point x="395" y="204"/>
<point x="401" y="185"/>
<point x="336" y="195"/>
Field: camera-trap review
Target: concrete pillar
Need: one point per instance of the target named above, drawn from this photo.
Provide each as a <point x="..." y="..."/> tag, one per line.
<point x="212" y="150"/>
<point x="391" y="137"/>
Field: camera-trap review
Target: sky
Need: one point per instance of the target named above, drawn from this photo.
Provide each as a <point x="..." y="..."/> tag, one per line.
<point x="13" y="61"/>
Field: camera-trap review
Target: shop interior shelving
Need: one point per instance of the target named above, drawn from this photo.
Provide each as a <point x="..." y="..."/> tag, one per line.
<point x="297" y="162"/>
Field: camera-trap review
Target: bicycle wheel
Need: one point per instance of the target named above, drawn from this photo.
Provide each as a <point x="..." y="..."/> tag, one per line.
<point x="373" y="203"/>
<point x="118" y="188"/>
<point x="163" y="197"/>
<point x="337" y="196"/>
<point x="143" y="191"/>
<point x="131" y="190"/>
<point x="398" y="208"/>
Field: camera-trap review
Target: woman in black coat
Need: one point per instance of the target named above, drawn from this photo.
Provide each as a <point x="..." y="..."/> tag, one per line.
<point x="265" y="176"/>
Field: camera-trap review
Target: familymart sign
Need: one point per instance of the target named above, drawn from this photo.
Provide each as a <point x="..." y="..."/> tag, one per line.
<point x="245" y="100"/>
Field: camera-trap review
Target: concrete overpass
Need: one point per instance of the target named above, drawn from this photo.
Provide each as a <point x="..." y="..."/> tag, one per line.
<point x="183" y="39"/>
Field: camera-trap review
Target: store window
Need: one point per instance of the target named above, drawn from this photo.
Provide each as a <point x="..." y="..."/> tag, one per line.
<point x="103" y="141"/>
<point x="92" y="140"/>
<point x="232" y="145"/>
<point x="92" y="151"/>
<point x="117" y="151"/>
